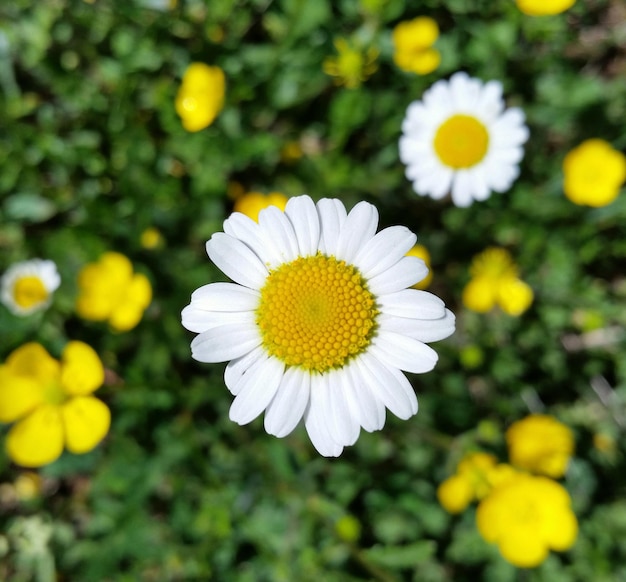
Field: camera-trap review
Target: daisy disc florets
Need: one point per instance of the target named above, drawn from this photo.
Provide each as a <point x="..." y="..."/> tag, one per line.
<point x="320" y="320"/>
<point x="459" y="139"/>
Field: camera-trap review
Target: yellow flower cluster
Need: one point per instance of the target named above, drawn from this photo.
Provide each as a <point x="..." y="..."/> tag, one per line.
<point x="544" y="7"/>
<point x="494" y="282"/>
<point x="201" y="96"/>
<point x="51" y="403"/>
<point x="252" y="203"/>
<point x="352" y="65"/>
<point x="110" y="291"/>
<point x="594" y="173"/>
<point x="525" y="515"/>
<point x="413" y="42"/>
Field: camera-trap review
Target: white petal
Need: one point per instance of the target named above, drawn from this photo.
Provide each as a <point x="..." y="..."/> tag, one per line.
<point x="278" y="233"/>
<point x="412" y="303"/>
<point x="405" y="353"/>
<point x="199" y="320"/>
<point x="235" y="369"/>
<point x="303" y="215"/>
<point x="236" y="260"/>
<point x="394" y="390"/>
<point x="240" y="226"/>
<point x="332" y="215"/>
<point x="315" y="423"/>
<point x="258" y="387"/>
<point x="225" y="342"/>
<point x="343" y="426"/>
<point x="225" y="297"/>
<point x="406" y="272"/>
<point x="462" y="194"/>
<point x="431" y="330"/>
<point x="384" y="250"/>
<point x="285" y="411"/>
<point x="360" y="226"/>
<point x="367" y="408"/>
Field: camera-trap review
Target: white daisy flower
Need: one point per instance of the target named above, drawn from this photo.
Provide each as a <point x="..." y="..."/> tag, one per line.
<point x="28" y="286"/>
<point x="320" y="320"/>
<point x="459" y="139"/>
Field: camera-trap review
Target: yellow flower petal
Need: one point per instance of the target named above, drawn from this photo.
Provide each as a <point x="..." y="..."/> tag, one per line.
<point x="544" y="7"/>
<point x="252" y="203"/>
<point x="421" y="252"/>
<point x="455" y="493"/>
<point x="480" y="294"/>
<point x="514" y="296"/>
<point x="37" y="439"/>
<point x="31" y="360"/>
<point x="19" y="395"/>
<point x="523" y="548"/>
<point x="420" y="62"/>
<point x="563" y="531"/>
<point x="86" y="421"/>
<point x="82" y="371"/>
<point x="139" y="291"/>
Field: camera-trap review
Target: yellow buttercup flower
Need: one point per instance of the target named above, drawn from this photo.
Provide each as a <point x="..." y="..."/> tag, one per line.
<point x="527" y="516"/>
<point x="51" y="403"/>
<point x="413" y="40"/>
<point x="594" y="173"/>
<point x="544" y="7"/>
<point x="421" y="252"/>
<point x="351" y="66"/>
<point x="110" y="291"/>
<point x="252" y="203"/>
<point x="201" y="96"/>
<point x="495" y="282"/>
<point x="541" y="444"/>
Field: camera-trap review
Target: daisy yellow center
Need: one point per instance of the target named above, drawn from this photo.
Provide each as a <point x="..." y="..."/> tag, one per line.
<point x="316" y="313"/>
<point x="461" y="141"/>
<point x="29" y="291"/>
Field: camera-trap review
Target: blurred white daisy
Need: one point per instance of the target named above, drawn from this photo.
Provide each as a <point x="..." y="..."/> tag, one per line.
<point x="28" y="286"/>
<point x="460" y="139"/>
<point x="320" y="320"/>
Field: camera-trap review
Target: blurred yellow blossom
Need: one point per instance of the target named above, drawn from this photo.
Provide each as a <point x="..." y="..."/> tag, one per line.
<point x="151" y="238"/>
<point x="527" y="516"/>
<point x="541" y="444"/>
<point x="252" y="203"/>
<point x="494" y="281"/>
<point x="421" y="252"/>
<point x="594" y="173"/>
<point x="51" y="403"/>
<point x="476" y="474"/>
<point x="413" y="40"/>
<point x="348" y="528"/>
<point x="455" y="494"/>
<point x="110" y="291"/>
<point x="544" y="7"/>
<point x="351" y="66"/>
<point x="27" y="287"/>
<point x="201" y="96"/>
<point x="28" y="485"/>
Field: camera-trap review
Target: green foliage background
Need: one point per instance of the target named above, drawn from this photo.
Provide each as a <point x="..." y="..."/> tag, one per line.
<point x="92" y="153"/>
